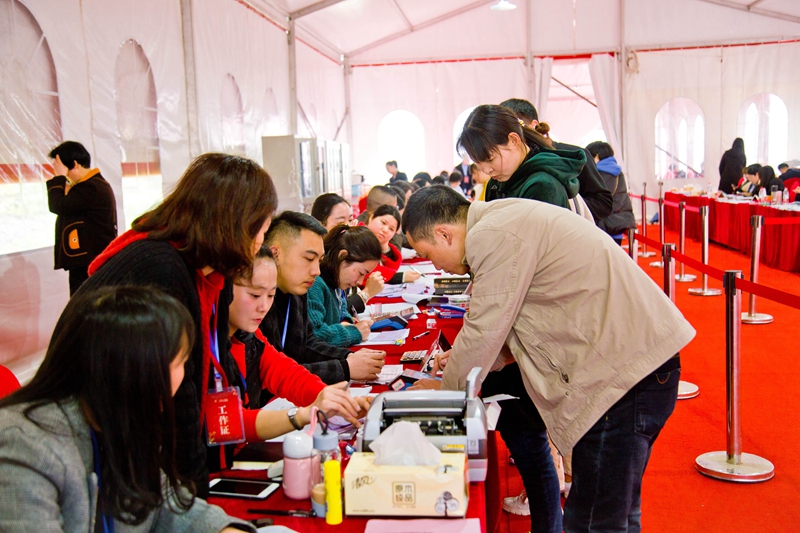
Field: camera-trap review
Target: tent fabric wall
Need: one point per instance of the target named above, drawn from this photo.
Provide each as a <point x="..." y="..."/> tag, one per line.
<point x="232" y="39"/>
<point x="719" y="80"/>
<point x="320" y="90"/>
<point x="436" y="93"/>
<point x="604" y="70"/>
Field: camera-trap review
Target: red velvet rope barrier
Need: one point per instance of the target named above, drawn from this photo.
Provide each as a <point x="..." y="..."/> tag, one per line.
<point x="650" y="199"/>
<point x="648" y="241"/>
<point x="769" y="293"/>
<point x="693" y="209"/>
<point x="672" y="204"/>
<point x="772" y="221"/>
<point x="697" y="265"/>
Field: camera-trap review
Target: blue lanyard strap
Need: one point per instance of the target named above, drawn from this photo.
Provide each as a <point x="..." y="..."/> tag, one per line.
<point x="214" y="345"/>
<point x="286" y="323"/>
<point x="108" y="522"/>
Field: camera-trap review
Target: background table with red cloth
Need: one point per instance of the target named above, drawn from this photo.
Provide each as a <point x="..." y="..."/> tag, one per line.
<point x="729" y="225"/>
<point x="487" y="511"/>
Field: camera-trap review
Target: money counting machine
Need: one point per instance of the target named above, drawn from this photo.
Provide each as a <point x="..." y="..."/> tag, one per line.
<point x="453" y="421"/>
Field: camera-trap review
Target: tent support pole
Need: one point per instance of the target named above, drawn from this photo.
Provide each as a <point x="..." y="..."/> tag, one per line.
<point x="290" y="35"/>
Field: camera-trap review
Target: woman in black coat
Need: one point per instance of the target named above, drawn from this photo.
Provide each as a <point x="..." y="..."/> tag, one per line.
<point x="730" y="167"/>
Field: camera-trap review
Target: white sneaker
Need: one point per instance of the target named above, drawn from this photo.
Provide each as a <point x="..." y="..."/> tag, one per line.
<point x="517" y="504"/>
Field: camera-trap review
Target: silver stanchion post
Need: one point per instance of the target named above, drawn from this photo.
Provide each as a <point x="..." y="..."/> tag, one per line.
<point x="644" y="252"/>
<point x="751" y="317"/>
<point x="684" y="277"/>
<point x="704" y="290"/>
<point x="661" y="232"/>
<point x="686" y="389"/>
<point x="733" y="464"/>
<point x="633" y="244"/>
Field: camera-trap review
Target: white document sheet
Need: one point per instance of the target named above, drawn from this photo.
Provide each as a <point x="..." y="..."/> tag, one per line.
<point x="385" y="337"/>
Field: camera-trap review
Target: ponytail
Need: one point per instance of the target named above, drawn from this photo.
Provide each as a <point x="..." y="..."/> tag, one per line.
<point x="488" y="127"/>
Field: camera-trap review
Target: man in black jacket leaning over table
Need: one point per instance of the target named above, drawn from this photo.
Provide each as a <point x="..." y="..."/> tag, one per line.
<point x="592" y="189"/>
<point x="86" y="209"/>
<point x="296" y="242"/>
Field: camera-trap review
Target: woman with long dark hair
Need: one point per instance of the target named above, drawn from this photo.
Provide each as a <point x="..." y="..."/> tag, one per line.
<point x="91" y="439"/>
<point x="208" y="229"/>
<point x="520" y="161"/>
<point x="731" y="166"/>
<point x="351" y="253"/>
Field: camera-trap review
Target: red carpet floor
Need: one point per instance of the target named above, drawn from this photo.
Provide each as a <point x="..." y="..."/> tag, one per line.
<point x="675" y="497"/>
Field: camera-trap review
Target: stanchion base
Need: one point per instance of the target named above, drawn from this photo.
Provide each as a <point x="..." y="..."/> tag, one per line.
<point x="657" y="264"/>
<point x="686" y="278"/>
<point x="687" y="390"/>
<point x="699" y="291"/>
<point x="751" y="470"/>
<point x="756" y="318"/>
<point x="646" y="254"/>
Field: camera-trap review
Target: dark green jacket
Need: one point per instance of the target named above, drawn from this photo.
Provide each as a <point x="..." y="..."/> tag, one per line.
<point x="550" y="176"/>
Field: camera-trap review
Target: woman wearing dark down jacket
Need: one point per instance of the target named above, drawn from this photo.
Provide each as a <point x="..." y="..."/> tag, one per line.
<point x="621" y="217"/>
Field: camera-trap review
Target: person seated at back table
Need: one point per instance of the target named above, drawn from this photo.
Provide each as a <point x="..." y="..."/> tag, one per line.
<point x="766" y="181"/>
<point x="787" y="173"/>
<point x="267" y="372"/>
<point x="378" y="195"/>
<point x="384" y="223"/>
<point x="748" y="184"/>
<point x="91" y="439"/>
<point x="351" y="253"/>
<point x="331" y="210"/>
<point x="295" y="240"/>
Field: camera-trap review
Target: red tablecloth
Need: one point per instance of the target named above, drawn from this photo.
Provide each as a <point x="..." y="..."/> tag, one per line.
<point x="477" y="491"/>
<point x="729" y="225"/>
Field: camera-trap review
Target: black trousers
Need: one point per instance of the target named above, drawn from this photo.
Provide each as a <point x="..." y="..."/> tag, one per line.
<point x="77" y="275"/>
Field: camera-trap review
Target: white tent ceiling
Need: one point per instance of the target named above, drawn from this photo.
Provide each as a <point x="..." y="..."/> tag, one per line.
<point x="359" y="28"/>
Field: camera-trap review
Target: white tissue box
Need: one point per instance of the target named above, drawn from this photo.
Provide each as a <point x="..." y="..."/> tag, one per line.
<point x="389" y="490"/>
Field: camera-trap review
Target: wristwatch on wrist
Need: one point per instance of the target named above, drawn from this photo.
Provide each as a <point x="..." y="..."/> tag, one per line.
<point x="293" y="418"/>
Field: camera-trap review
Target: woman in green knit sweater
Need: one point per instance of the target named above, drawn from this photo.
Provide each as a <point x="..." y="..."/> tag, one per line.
<point x="350" y="254"/>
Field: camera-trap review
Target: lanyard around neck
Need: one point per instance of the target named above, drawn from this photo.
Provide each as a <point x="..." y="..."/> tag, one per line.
<point x="286" y="323"/>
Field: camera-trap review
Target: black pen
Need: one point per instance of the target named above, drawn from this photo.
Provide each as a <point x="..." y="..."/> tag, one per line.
<point x="415" y="337"/>
<point x="303" y="513"/>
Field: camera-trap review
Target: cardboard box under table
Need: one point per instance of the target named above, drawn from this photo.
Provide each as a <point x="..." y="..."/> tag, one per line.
<point x="393" y="490"/>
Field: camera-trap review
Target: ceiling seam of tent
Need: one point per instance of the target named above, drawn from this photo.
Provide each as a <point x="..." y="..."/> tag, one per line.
<point x="280" y="27"/>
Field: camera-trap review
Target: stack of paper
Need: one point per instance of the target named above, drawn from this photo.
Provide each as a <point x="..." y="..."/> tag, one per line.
<point x="385" y="337"/>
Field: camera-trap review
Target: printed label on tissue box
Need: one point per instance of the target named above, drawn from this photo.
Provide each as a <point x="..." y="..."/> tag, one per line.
<point x="393" y="490"/>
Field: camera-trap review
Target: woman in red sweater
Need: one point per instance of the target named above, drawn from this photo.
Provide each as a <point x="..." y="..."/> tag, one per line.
<point x="264" y="368"/>
<point x="384" y="223"/>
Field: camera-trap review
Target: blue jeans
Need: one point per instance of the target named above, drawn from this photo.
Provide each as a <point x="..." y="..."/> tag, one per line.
<point x="609" y="461"/>
<point x="525" y="436"/>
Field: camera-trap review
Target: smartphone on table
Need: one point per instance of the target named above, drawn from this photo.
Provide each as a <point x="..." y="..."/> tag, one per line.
<point x="242" y="488"/>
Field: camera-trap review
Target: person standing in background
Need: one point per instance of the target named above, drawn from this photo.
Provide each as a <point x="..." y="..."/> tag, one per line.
<point x="730" y="167"/>
<point x="86" y="210"/>
<point x="465" y="169"/>
<point x="621" y="217"/>
<point x="391" y="168"/>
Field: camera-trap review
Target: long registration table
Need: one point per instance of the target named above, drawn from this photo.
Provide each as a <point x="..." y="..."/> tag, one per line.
<point x="729" y="225"/>
<point x="479" y="507"/>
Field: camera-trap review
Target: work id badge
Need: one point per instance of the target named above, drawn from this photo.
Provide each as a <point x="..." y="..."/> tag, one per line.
<point x="224" y="418"/>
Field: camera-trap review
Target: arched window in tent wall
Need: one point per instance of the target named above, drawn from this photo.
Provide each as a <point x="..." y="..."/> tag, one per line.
<point x="680" y="140"/>
<point x="764" y="127"/>
<point x="30" y="126"/>
<point x="232" y="111"/>
<point x="458" y="126"/>
<point x="137" y="124"/>
<point x="401" y="138"/>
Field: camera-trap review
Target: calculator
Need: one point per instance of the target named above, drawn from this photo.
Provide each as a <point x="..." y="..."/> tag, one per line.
<point x="413" y="356"/>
